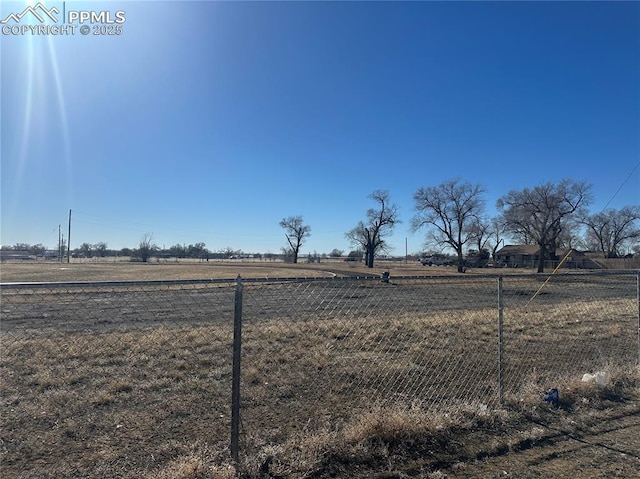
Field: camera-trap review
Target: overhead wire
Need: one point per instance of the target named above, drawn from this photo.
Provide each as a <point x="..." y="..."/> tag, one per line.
<point x="569" y="252"/>
<point x="622" y="185"/>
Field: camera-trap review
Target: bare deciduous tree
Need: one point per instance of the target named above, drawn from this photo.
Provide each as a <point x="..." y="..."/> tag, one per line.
<point x="380" y="222"/>
<point x="100" y="249"/>
<point x="229" y="252"/>
<point x="146" y="247"/>
<point x="538" y="215"/>
<point x="480" y="230"/>
<point x="611" y="229"/>
<point x="296" y="232"/>
<point x="496" y="235"/>
<point x="85" y="250"/>
<point x="449" y="211"/>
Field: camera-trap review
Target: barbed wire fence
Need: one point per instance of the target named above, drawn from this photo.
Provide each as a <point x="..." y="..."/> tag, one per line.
<point x="122" y="375"/>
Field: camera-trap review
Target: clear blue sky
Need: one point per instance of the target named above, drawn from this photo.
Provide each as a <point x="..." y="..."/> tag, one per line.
<point x="211" y="121"/>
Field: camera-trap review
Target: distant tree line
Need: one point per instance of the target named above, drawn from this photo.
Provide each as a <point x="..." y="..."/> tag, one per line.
<point x="551" y="216"/>
<point x="145" y="250"/>
<point x="36" y="249"/>
<point x="453" y="218"/>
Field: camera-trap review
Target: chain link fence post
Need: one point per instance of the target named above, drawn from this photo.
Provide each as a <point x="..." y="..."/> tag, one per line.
<point x="638" y="311"/>
<point x="235" y="388"/>
<point x="90" y="355"/>
<point x="500" y="321"/>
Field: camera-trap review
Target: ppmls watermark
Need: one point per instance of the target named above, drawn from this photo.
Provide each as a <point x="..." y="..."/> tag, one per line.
<point x="57" y="20"/>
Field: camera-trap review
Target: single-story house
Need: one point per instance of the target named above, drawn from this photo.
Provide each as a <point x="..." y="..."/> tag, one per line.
<point x="528" y="255"/>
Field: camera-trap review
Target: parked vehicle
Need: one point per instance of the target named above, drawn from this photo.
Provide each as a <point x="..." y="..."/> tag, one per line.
<point x="436" y="261"/>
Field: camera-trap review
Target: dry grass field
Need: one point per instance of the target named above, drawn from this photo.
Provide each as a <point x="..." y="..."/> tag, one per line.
<point x="339" y="379"/>
<point x="127" y="271"/>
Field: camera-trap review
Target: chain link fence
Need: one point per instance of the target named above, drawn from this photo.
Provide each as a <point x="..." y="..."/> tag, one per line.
<point x="112" y="379"/>
<point x="569" y="326"/>
<point x="116" y="379"/>
<point x="317" y="352"/>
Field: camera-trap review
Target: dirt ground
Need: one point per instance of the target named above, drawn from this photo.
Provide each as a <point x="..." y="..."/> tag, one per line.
<point x="608" y="448"/>
<point x="568" y="442"/>
<point x="169" y="270"/>
<point x="599" y="442"/>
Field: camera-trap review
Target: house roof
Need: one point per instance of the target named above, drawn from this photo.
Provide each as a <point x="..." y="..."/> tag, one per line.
<point x="562" y="252"/>
<point x="519" y="249"/>
<point x="532" y="249"/>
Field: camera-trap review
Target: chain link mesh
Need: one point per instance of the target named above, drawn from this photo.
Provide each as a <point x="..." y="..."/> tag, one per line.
<point x="575" y="324"/>
<point x="318" y="351"/>
<point x="315" y="353"/>
<point x="108" y="380"/>
<point x="119" y="378"/>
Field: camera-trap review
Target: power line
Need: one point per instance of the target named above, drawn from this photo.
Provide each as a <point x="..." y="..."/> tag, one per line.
<point x="622" y="185"/>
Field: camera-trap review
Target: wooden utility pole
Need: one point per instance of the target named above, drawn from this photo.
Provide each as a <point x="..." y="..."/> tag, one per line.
<point x="69" y="240"/>
<point x="406" y="250"/>
<point x="59" y="244"/>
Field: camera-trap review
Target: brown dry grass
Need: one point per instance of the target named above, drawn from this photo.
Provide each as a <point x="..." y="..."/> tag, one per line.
<point x="126" y="271"/>
<point x="111" y="405"/>
<point x="318" y="394"/>
<point x="134" y="403"/>
<point x="409" y="441"/>
<point x="43" y="272"/>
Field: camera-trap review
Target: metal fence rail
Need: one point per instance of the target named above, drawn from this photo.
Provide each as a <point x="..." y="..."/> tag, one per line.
<point x="120" y="377"/>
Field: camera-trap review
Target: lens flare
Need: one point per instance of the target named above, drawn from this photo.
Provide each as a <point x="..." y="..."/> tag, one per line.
<point x="42" y="75"/>
<point x="62" y="110"/>
<point x="27" y="120"/>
